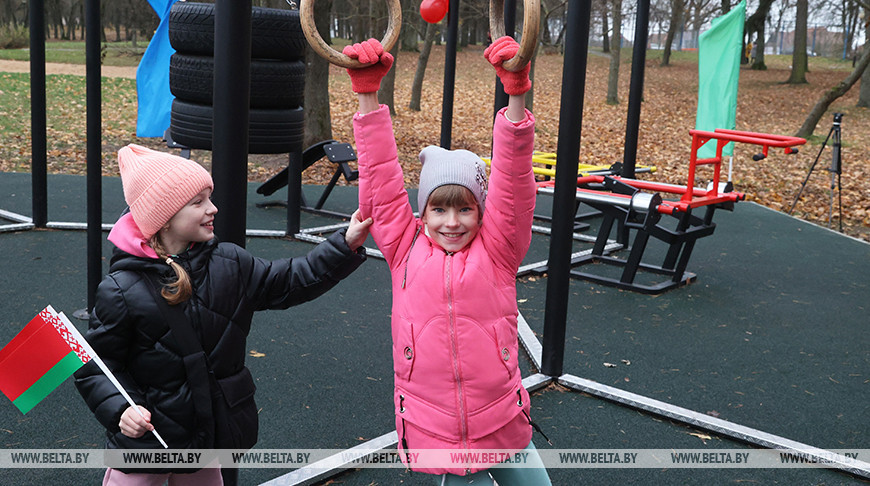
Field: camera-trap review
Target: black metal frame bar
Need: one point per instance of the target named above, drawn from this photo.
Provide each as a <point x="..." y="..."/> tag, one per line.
<point x="232" y="87"/>
<point x="337" y="153"/>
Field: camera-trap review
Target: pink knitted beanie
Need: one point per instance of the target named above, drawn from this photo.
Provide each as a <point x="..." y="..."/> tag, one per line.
<point x="157" y="185"/>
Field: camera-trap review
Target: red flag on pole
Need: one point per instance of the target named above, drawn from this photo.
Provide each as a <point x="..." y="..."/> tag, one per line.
<point x="44" y="354"/>
<point x="39" y="359"/>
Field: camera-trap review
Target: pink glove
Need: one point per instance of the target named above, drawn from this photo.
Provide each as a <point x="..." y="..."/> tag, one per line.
<point x="504" y="49"/>
<point x="368" y="79"/>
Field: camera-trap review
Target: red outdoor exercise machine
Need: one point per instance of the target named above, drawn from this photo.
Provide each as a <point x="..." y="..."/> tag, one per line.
<point x="622" y="201"/>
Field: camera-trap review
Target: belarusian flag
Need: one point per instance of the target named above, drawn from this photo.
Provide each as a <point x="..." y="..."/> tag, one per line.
<point x="38" y="359"/>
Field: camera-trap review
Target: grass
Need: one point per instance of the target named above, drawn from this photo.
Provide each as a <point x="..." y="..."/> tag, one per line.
<point x="73" y="52"/>
<point x="65" y="114"/>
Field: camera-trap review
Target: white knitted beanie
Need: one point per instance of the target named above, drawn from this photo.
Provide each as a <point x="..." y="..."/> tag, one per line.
<point x="442" y="167"/>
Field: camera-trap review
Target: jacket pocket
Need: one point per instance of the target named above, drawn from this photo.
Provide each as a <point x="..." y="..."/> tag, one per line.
<point x="507" y="345"/>
<point x="499" y="413"/>
<point x="235" y="411"/>
<point x="431" y="419"/>
<point x="238" y="387"/>
<point x="404" y="352"/>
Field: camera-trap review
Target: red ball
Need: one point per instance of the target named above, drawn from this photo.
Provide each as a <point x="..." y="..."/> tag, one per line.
<point x="433" y="11"/>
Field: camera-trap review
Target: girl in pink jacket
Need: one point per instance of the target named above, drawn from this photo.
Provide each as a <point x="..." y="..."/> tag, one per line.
<point x="458" y="386"/>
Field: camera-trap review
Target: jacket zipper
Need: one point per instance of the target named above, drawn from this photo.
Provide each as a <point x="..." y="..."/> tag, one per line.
<point x="457" y="373"/>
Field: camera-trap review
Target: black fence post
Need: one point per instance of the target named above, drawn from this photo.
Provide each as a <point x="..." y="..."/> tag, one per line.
<point x="449" y="74"/>
<point x="232" y="88"/>
<point x="567" y="157"/>
<point x="635" y="90"/>
<point x="38" y="124"/>
<point x="94" y="147"/>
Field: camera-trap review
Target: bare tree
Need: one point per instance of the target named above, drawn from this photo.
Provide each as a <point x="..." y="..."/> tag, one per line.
<point x="832" y="94"/>
<point x="864" y="92"/>
<point x="318" y="122"/>
<point x="783" y="7"/>
<point x="530" y="96"/>
<point x="849" y="13"/>
<point x="613" y="75"/>
<point x="799" y="63"/>
<point x="755" y="24"/>
<point x="549" y="10"/>
<point x="410" y="26"/>
<point x="386" y="93"/>
<point x="701" y="11"/>
<point x="420" y="72"/>
<point x="674" y="25"/>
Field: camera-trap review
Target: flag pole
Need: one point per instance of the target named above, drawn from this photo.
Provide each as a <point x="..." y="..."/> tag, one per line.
<point x="111" y="376"/>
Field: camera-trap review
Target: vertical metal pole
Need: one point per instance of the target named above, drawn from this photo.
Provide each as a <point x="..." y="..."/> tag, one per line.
<point x="232" y="88"/>
<point x="567" y="156"/>
<point x="94" y="148"/>
<point x="510" y="26"/>
<point x="38" y="124"/>
<point x="294" y="192"/>
<point x="449" y="74"/>
<point x="635" y="92"/>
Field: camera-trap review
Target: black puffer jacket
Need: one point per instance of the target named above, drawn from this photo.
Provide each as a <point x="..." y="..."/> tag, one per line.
<point x="127" y="330"/>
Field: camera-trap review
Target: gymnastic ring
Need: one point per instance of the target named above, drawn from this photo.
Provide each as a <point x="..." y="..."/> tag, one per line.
<point x="306" y="16"/>
<point x="531" y="26"/>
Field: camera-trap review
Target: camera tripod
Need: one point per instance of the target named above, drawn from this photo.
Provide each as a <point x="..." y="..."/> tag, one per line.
<point x="836" y="170"/>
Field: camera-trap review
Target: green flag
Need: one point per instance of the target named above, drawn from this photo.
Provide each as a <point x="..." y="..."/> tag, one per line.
<point x="718" y="71"/>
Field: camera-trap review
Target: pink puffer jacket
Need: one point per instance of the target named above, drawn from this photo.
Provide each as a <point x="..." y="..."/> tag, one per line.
<point x="454" y="316"/>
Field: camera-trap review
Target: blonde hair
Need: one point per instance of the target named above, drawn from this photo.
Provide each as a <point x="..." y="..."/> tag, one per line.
<point x="452" y="196"/>
<point x="181" y="289"/>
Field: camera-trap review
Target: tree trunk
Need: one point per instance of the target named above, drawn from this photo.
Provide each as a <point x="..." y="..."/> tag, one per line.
<point x="318" y="122"/>
<point x="760" y="40"/>
<point x="409" y="33"/>
<point x="832" y="94"/>
<point x="864" y="92"/>
<point x="605" y="40"/>
<point x="530" y="95"/>
<point x="422" y="61"/>
<point x="755" y="23"/>
<point x="677" y="7"/>
<point x="799" y="56"/>
<point x="387" y="92"/>
<point x="613" y="75"/>
<point x="358" y="23"/>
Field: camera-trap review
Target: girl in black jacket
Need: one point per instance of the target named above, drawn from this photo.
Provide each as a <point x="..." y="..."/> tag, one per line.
<point x="171" y="317"/>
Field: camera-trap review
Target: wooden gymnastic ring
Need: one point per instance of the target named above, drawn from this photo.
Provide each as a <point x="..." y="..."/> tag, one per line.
<point x="306" y="16"/>
<point x="531" y="26"/>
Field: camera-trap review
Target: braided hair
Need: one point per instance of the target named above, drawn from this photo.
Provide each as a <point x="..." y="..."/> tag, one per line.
<point x="179" y="290"/>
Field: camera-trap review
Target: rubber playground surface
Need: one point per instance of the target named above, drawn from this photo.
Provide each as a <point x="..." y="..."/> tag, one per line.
<point x="773" y="336"/>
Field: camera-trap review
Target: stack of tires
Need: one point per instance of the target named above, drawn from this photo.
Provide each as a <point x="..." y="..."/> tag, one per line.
<point x="277" y="78"/>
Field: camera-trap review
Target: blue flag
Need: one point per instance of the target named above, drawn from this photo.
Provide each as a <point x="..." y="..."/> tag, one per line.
<point x="152" y="78"/>
<point x="718" y="74"/>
